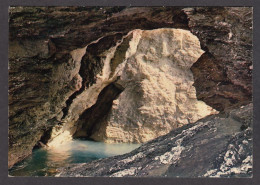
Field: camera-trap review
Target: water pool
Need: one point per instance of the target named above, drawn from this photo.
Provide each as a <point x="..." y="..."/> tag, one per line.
<point x="44" y="162"/>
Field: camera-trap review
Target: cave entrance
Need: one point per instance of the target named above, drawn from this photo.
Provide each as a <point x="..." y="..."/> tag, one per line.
<point x="143" y="90"/>
<point x="90" y="120"/>
<point x="44" y="139"/>
<point x="155" y="93"/>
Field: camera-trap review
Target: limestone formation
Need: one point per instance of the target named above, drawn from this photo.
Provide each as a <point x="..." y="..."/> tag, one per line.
<point x="158" y="95"/>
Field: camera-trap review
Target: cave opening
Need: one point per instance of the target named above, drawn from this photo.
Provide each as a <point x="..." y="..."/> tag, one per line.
<point x="169" y="51"/>
<point x="141" y="90"/>
<point x="157" y="64"/>
<point x="46" y="136"/>
<point x="90" y="120"/>
<point x="148" y="69"/>
<point x="155" y="93"/>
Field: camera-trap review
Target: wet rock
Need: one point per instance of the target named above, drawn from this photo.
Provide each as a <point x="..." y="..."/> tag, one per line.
<point x="184" y="152"/>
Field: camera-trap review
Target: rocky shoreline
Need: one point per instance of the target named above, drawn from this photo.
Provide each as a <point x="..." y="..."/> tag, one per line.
<point x="215" y="146"/>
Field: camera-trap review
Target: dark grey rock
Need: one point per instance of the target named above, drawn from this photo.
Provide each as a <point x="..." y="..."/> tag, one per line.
<point x="214" y="146"/>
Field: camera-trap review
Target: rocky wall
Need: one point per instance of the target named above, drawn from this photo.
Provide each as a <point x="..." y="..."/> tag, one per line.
<point x="47" y="76"/>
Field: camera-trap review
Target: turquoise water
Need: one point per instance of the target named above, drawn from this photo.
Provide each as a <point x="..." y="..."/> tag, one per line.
<point x="44" y="162"/>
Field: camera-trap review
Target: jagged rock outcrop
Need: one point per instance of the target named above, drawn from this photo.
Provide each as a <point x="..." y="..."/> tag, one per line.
<point x="47" y="78"/>
<point x="158" y="95"/>
<point x="38" y="89"/>
<point x="223" y="74"/>
<point x="216" y="146"/>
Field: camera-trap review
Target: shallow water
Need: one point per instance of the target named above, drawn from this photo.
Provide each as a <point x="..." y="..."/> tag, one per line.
<point x="44" y="162"/>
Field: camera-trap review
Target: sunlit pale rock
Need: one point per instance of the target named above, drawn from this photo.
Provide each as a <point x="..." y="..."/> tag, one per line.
<point x="158" y="94"/>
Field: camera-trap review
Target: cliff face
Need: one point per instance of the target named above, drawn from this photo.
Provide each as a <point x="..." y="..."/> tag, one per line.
<point x="157" y="95"/>
<point x="223" y="74"/>
<point x="58" y="60"/>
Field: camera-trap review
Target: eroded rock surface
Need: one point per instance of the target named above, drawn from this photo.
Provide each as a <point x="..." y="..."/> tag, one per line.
<point x="158" y="95"/>
<point x="223" y="75"/>
<point x="215" y="146"/>
<point x="46" y="83"/>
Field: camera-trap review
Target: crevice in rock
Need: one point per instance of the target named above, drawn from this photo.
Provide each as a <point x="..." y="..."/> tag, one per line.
<point x="120" y="54"/>
<point x="44" y="139"/>
<point x="91" y="65"/>
<point x="90" y="120"/>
